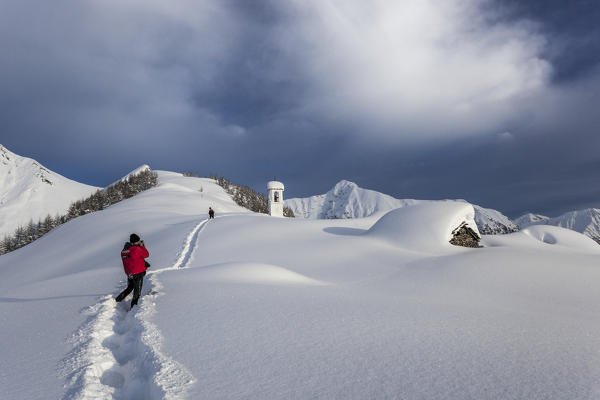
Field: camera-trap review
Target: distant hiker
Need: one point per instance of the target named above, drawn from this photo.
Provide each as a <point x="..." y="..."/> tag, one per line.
<point x="135" y="266"/>
<point x="211" y="213"/>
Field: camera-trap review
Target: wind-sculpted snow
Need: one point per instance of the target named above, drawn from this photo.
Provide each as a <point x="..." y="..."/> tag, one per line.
<point x="561" y="237"/>
<point x="348" y="200"/>
<point x="404" y="314"/>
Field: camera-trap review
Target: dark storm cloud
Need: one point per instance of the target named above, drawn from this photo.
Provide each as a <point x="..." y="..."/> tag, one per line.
<point x="572" y="29"/>
<point x="492" y="101"/>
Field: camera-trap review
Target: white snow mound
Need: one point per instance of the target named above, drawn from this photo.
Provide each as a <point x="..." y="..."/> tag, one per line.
<point x="425" y="225"/>
<point x="555" y="235"/>
<point x="255" y="273"/>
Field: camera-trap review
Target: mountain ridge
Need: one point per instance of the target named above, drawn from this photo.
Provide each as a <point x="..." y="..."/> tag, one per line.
<point x="30" y="191"/>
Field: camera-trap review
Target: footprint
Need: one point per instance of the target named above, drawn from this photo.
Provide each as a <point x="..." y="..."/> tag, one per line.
<point x="124" y="354"/>
<point x="113" y="379"/>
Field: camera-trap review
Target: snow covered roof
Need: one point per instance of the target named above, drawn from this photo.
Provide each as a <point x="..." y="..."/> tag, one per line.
<point x="275" y="185"/>
<point x="424" y="226"/>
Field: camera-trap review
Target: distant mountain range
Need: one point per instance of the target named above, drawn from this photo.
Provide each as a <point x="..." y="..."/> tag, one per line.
<point x="347" y="200"/>
<point x="29" y="191"/>
<point x="584" y="221"/>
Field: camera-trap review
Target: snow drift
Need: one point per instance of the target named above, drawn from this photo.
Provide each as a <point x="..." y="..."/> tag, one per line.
<point x="425" y="226"/>
<point x="561" y="237"/>
<point x="256" y="273"/>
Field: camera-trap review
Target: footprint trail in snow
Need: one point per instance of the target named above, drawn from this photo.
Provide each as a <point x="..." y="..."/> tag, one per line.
<point x="117" y="353"/>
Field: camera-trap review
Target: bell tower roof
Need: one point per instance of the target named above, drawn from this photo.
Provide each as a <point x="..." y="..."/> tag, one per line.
<point x="275" y="185"/>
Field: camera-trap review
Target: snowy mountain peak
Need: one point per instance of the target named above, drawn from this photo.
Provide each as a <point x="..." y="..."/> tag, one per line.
<point x="344" y="189"/>
<point x="530" y="219"/>
<point x="28" y="190"/>
<point x="13" y="166"/>
<point x="345" y="200"/>
<point x="12" y="161"/>
<point x="344" y="185"/>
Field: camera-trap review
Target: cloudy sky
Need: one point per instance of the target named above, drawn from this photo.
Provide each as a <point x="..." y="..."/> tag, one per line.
<point x="494" y="101"/>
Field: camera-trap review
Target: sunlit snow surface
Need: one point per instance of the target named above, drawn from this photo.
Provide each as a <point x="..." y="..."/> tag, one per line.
<point x="29" y="191"/>
<point x="248" y="306"/>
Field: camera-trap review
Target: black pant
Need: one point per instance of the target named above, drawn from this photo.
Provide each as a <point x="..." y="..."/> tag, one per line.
<point x="134" y="282"/>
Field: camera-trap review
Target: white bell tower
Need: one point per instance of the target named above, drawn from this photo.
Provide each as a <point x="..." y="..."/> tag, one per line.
<point x="275" y="190"/>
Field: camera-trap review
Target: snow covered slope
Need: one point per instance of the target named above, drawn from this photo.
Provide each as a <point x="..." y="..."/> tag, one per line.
<point x="493" y="222"/>
<point x="583" y="221"/>
<point x="30" y="191"/>
<point x="348" y="200"/>
<point x="248" y="306"/>
<point x="67" y="338"/>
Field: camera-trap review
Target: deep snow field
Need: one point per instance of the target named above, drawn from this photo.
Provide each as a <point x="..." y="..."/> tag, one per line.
<point x="248" y="306"/>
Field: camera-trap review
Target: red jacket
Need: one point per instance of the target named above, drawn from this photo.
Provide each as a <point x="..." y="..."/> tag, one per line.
<point x="133" y="258"/>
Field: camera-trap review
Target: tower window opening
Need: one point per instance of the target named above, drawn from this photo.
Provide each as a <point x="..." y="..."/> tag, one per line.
<point x="276" y="197"/>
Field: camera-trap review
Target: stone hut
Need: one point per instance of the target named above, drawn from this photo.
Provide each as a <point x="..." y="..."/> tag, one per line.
<point x="465" y="236"/>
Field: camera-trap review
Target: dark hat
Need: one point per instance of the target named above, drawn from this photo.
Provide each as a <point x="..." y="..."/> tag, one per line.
<point x="133" y="238"/>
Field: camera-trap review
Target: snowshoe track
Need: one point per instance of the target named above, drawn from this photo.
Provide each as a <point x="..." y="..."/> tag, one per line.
<point x="116" y="352"/>
<point x="190" y="245"/>
<point x="188" y="250"/>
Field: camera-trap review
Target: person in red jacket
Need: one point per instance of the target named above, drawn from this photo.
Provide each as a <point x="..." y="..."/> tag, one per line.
<point x="133" y="254"/>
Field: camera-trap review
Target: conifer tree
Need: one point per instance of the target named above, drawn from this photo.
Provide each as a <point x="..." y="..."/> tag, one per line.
<point x="30" y="232"/>
<point x="20" y="238"/>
